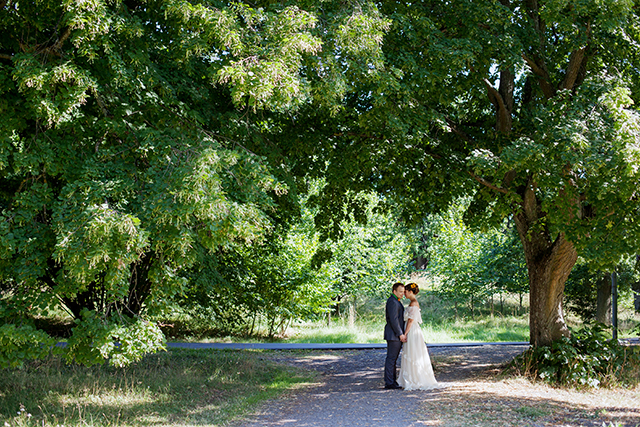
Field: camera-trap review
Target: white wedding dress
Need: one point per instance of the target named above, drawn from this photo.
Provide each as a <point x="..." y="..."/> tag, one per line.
<point x="416" y="372"/>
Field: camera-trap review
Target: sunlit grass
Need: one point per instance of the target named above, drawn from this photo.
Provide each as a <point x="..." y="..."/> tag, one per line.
<point x="496" y="329"/>
<point x="179" y="387"/>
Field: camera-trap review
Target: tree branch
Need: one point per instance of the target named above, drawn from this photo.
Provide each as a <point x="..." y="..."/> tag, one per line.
<point x="53" y="50"/>
<point x="573" y="68"/>
<point x="62" y="39"/>
<point x="575" y="64"/>
<point x="458" y="132"/>
<point x="541" y="72"/>
<point x="5" y="56"/>
<point x="487" y="183"/>
<point x="503" y="112"/>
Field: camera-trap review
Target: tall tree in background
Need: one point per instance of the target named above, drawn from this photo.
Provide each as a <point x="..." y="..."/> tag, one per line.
<point x="532" y="119"/>
<point x="525" y="105"/>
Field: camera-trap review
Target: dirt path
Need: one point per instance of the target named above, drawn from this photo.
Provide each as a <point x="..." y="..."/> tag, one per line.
<point x="349" y="392"/>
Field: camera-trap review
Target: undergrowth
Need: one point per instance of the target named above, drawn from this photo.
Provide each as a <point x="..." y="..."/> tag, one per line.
<point x="588" y="358"/>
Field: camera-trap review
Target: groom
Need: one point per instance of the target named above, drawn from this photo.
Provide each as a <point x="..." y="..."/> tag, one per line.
<point x="393" y="334"/>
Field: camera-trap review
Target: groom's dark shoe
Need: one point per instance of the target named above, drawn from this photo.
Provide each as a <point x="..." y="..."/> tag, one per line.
<point x="393" y="387"/>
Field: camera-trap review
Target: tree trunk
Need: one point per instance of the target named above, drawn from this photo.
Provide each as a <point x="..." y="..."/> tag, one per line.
<point x="492" y="305"/>
<point x="548" y="273"/>
<point x="420" y="262"/>
<point x="520" y="295"/>
<point x="473" y="313"/>
<point x="139" y="284"/>
<point x="636" y="296"/>
<point x="352" y="312"/>
<point x="549" y="262"/>
<point x="603" y="302"/>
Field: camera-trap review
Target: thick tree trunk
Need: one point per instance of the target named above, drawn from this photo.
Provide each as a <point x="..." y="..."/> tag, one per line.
<point x="603" y="302"/>
<point x="548" y="272"/>
<point x="549" y="262"/>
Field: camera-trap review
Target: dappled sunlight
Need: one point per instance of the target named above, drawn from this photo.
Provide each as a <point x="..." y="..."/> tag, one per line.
<point x="516" y="402"/>
<point x="179" y="387"/>
<point x="114" y="398"/>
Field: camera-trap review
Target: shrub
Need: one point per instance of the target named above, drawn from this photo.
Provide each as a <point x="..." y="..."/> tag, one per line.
<point x="587" y="358"/>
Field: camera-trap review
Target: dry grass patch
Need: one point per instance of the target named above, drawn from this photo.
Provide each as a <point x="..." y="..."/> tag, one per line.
<point x="518" y="402"/>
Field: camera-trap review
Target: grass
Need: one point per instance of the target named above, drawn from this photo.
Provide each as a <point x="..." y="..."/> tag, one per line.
<point x="174" y="388"/>
<point x="489" y="329"/>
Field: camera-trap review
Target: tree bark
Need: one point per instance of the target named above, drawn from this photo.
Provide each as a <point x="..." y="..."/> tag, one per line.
<point x="549" y="262"/>
<point x="603" y="302"/>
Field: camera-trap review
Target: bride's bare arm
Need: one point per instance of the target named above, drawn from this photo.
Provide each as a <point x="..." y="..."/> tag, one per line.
<point x="406" y="329"/>
<point x="409" y="321"/>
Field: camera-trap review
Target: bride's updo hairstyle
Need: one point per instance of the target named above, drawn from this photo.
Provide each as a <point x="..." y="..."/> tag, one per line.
<point x="412" y="287"/>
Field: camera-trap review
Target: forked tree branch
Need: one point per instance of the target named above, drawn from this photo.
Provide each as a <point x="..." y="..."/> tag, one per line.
<point x="545" y="84"/>
<point x="503" y="122"/>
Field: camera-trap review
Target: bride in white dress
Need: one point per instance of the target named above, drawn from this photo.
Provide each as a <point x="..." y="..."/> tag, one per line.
<point x="416" y="372"/>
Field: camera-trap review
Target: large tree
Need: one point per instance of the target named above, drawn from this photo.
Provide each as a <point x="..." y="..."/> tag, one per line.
<point x="123" y="152"/>
<point x="524" y="105"/>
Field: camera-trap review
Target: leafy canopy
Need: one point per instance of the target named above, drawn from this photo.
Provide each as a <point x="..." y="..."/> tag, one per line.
<point x="124" y="149"/>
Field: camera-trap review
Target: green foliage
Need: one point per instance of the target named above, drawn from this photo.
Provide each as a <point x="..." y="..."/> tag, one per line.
<point x="293" y="275"/>
<point x="374" y="251"/>
<point x="120" y="341"/>
<point x="512" y="104"/>
<point x="581" y="291"/>
<point x="589" y="358"/>
<point x="17" y="345"/>
<point x="125" y="159"/>
<point x="472" y="264"/>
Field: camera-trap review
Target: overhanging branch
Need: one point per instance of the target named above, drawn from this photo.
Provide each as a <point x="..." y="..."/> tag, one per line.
<point x="481" y="180"/>
<point x="458" y="132"/>
<point x="488" y="184"/>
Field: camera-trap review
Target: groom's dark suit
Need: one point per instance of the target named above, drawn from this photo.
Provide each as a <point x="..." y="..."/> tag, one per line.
<point x="392" y="330"/>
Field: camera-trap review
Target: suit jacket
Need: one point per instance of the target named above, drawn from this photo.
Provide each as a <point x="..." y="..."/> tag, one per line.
<point x="395" y="319"/>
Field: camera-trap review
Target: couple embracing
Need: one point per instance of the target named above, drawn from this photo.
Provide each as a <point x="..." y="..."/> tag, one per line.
<point x="403" y="326"/>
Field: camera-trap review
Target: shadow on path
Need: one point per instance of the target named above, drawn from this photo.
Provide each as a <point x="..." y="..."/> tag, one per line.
<point x="349" y="389"/>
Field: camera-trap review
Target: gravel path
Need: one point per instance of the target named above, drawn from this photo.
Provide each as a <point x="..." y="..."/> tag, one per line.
<point x="349" y="390"/>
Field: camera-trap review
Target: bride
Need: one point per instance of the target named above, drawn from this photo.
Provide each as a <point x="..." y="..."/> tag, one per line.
<point x="416" y="372"/>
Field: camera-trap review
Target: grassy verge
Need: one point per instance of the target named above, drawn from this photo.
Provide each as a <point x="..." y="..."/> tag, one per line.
<point x="176" y="388"/>
<point x="488" y="329"/>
